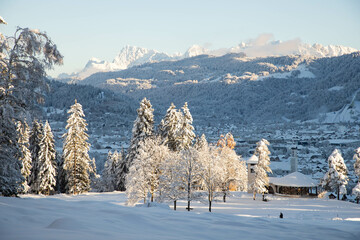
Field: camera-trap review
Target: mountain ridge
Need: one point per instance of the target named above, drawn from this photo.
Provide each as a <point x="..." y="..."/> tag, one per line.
<point x="130" y="56"/>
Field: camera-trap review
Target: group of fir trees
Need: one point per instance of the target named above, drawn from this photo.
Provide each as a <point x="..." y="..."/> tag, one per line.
<point x="336" y="179"/>
<point x="40" y="170"/>
<point x="167" y="164"/>
<point x="23" y="60"/>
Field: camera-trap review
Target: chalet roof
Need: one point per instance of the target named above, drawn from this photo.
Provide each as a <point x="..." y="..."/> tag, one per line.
<point x="294" y="179"/>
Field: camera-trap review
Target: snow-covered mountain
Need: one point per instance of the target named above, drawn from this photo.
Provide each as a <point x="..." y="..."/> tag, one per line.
<point x="131" y="56"/>
<point x="128" y="56"/>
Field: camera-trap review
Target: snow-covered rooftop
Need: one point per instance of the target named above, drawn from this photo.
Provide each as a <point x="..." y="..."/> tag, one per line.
<point x="252" y="159"/>
<point x="294" y="179"/>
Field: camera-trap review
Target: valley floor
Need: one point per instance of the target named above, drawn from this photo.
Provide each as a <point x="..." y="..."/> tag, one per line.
<point x="106" y="216"/>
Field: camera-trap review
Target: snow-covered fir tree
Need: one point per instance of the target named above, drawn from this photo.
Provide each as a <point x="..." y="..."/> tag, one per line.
<point x="144" y="174"/>
<point x="143" y="128"/>
<point x="356" y="189"/>
<point x="170" y="126"/>
<point x="171" y="184"/>
<point x="336" y="179"/>
<point x="186" y="133"/>
<point x="77" y="163"/>
<point x="23" y="141"/>
<point x="357" y="162"/>
<point x="262" y="168"/>
<point x="234" y="173"/>
<point x="46" y="180"/>
<point x="10" y="152"/>
<point x="36" y="134"/>
<point x="356" y="192"/>
<point x="200" y="142"/>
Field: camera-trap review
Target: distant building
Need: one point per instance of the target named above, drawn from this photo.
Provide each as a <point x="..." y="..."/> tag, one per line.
<point x="294" y="183"/>
<point x="251" y="163"/>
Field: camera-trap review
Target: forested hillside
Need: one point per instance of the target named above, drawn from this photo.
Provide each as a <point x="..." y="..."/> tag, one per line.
<point x="271" y="89"/>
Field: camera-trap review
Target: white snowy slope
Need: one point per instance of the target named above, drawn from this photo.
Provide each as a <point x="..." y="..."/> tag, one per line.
<point x="105" y="216"/>
<point x="131" y="56"/>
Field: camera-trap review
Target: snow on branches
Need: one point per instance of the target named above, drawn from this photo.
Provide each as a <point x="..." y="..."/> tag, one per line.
<point x="77" y="163"/>
<point x="336" y="178"/>
<point x="262" y="168"/>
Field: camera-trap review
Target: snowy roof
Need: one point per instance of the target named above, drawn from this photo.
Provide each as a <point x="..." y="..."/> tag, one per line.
<point x="253" y="159"/>
<point x="294" y="179"/>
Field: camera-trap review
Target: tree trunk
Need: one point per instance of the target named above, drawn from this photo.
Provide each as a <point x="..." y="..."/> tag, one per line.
<point x="152" y="197"/>
<point x="357" y="200"/>
<point x="224" y="197"/>
<point x="254" y="196"/>
<point x="189" y="195"/>
<point x="263" y="195"/>
<point x="175" y="205"/>
<point x="338" y="193"/>
<point x="209" y="206"/>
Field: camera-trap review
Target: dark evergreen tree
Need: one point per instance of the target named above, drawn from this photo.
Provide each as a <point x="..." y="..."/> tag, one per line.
<point x="36" y="134"/>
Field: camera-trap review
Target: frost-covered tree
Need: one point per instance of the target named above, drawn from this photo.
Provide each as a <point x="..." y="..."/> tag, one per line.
<point x="25" y="159"/>
<point x="36" y="134"/>
<point x="46" y="181"/>
<point x="170" y="126"/>
<point x="234" y="169"/>
<point x="190" y="167"/>
<point x="144" y="174"/>
<point x="262" y="168"/>
<point x="171" y="184"/>
<point x="336" y="178"/>
<point x="143" y="128"/>
<point x="211" y="170"/>
<point x="77" y="163"/>
<point x="186" y="133"/>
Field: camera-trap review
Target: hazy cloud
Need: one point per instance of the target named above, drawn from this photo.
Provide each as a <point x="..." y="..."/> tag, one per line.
<point x="263" y="45"/>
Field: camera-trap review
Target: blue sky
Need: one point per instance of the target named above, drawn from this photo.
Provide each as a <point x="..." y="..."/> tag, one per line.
<point x="87" y="28"/>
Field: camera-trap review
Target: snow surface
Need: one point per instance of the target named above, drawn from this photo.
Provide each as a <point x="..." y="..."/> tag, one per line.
<point x="105" y="216"/>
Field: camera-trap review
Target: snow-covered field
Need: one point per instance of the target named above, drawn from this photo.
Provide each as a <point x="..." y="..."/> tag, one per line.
<point x="105" y="216"/>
